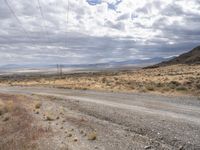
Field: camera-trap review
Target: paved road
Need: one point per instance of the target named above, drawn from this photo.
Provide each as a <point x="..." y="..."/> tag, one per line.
<point x="174" y="121"/>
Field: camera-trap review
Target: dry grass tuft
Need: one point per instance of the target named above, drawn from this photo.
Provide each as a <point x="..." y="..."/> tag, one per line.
<point x="181" y="88"/>
<point x="92" y="135"/>
<point x="6" y="118"/>
<point x="150" y="88"/>
<point x="38" y="105"/>
<point x="2" y="108"/>
<point x="10" y="106"/>
<point x="6" y="107"/>
<point x="69" y="135"/>
<point x="50" y="116"/>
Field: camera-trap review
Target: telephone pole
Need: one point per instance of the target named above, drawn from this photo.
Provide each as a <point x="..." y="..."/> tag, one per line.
<point x="57" y="66"/>
<point x="60" y="70"/>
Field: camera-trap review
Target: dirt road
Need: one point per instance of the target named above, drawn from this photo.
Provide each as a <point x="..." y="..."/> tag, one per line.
<point x="129" y="121"/>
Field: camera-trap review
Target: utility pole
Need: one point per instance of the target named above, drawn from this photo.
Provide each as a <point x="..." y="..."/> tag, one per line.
<point x="60" y="70"/>
<point x="57" y="69"/>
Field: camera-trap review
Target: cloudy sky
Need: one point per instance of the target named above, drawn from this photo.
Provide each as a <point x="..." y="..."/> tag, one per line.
<point x="96" y="31"/>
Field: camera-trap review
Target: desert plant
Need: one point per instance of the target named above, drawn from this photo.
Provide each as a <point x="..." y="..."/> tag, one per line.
<point x="69" y="135"/>
<point x="159" y="85"/>
<point x="103" y="80"/>
<point x="175" y="83"/>
<point x="50" y="116"/>
<point x="92" y="135"/>
<point x="38" y="105"/>
<point x="166" y="89"/>
<point x="181" y="88"/>
<point x="5" y="107"/>
<point x="142" y="90"/>
<point x="150" y="88"/>
<point x="1" y="107"/>
<point x="9" y="106"/>
<point x="6" y="118"/>
<point x="198" y="86"/>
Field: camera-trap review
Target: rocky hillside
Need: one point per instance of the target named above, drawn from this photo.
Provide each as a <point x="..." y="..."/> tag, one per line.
<point x="191" y="57"/>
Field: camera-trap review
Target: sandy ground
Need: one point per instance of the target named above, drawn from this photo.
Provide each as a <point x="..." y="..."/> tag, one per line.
<point x="51" y="118"/>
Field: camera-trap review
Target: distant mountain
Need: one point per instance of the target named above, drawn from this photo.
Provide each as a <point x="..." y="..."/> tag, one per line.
<point x="118" y="64"/>
<point x="25" y="66"/>
<point x="191" y="57"/>
<point x="107" y="65"/>
<point x="140" y="62"/>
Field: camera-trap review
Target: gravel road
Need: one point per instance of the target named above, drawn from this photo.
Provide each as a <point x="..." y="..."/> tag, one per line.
<point x="146" y="121"/>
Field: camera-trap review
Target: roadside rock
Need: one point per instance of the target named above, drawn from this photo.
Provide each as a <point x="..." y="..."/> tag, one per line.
<point x="147" y="147"/>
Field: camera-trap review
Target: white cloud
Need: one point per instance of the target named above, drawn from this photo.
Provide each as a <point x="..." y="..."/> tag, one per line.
<point x="95" y="32"/>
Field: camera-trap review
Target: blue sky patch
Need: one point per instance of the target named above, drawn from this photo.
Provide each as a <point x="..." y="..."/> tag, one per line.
<point x="112" y="6"/>
<point x="94" y="2"/>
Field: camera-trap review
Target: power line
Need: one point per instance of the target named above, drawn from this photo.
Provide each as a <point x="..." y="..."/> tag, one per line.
<point x="18" y="20"/>
<point x="67" y="22"/>
<point x="67" y="12"/>
<point x="42" y="15"/>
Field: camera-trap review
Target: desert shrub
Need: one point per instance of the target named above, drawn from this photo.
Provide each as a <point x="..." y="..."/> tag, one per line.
<point x="49" y="116"/>
<point x="181" y="88"/>
<point x="165" y="79"/>
<point x="198" y="86"/>
<point x="3" y="108"/>
<point x="130" y="84"/>
<point x="188" y="83"/>
<point x="92" y="135"/>
<point x="150" y="88"/>
<point x="115" y="78"/>
<point x="175" y="83"/>
<point x="6" y="118"/>
<point x="108" y="84"/>
<point x="103" y="80"/>
<point x="9" y="106"/>
<point x="38" y="105"/>
<point x="143" y="90"/>
<point x="84" y="88"/>
<point x="166" y="89"/>
<point x="159" y="85"/>
<point x="172" y="86"/>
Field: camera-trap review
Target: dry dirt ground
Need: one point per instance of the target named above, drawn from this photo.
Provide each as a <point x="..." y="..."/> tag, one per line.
<point x="54" y="119"/>
<point x="170" y="80"/>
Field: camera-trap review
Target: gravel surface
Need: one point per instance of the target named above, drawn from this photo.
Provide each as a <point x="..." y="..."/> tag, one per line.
<point x="125" y="121"/>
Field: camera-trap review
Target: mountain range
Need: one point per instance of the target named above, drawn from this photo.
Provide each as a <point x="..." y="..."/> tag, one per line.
<point x="112" y="64"/>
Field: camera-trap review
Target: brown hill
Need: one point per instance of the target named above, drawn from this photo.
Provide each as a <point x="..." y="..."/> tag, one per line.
<point x="191" y="57"/>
